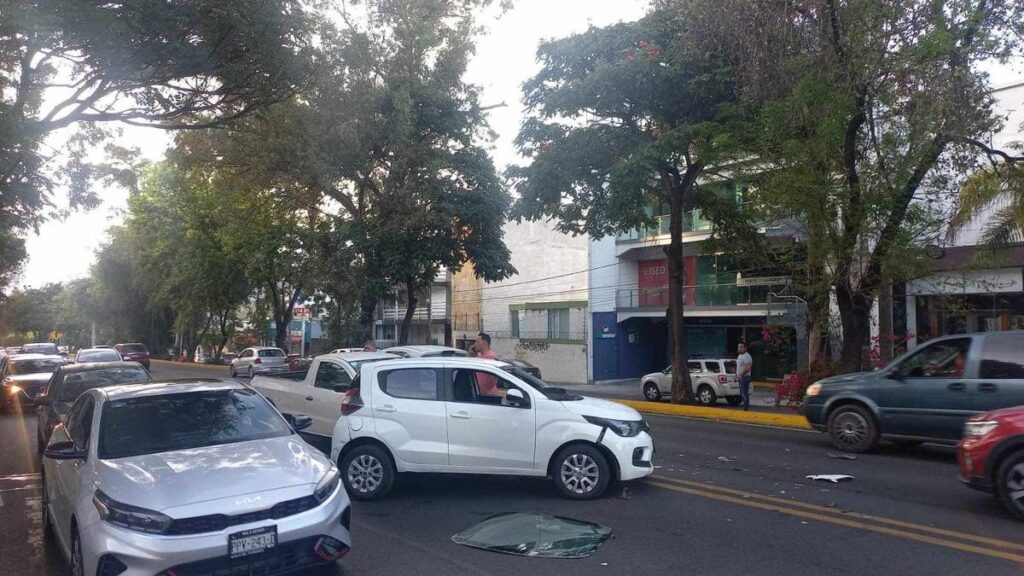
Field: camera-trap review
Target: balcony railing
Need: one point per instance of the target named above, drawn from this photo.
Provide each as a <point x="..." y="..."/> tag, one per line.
<point x="693" y="221"/>
<point x="698" y="296"/>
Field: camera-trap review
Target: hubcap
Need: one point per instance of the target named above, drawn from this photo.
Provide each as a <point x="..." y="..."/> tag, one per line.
<point x="580" y="473"/>
<point x="365" y="474"/>
<point x="652" y="391"/>
<point x="850" y="428"/>
<point x="1015" y="485"/>
<point x="705" y="396"/>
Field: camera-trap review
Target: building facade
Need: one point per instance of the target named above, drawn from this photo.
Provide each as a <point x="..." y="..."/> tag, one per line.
<point x="431" y="323"/>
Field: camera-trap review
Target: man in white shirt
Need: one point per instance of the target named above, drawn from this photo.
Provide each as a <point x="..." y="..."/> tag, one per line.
<point x="744" y="366"/>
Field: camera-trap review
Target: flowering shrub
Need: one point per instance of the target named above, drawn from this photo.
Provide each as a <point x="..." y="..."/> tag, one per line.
<point x="899" y="346"/>
<point x="790" y="392"/>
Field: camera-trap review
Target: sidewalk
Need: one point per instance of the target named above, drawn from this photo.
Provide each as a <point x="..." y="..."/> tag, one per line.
<point x="762" y="397"/>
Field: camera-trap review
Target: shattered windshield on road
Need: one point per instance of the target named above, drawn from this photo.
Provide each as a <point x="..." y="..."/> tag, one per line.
<point x="537" y="535"/>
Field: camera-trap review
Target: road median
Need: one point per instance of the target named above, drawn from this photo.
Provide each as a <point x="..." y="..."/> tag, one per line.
<point x="778" y="420"/>
<point x="172" y="363"/>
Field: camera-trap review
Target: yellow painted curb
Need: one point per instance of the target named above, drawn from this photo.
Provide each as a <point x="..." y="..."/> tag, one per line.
<point x="189" y="364"/>
<point x="721" y="414"/>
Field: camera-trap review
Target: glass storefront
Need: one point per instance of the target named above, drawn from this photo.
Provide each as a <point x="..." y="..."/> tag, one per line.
<point x="939" y="315"/>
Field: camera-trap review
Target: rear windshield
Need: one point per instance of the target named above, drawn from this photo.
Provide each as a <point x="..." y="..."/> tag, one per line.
<point x="274" y="353"/>
<point x="39" y="349"/>
<point x="134" y="349"/>
<point x="153" y="424"/>
<point x="69" y="389"/>
<point x="730" y="366"/>
<point x="37" y="366"/>
<point x="103" y="355"/>
<point x="355" y="364"/>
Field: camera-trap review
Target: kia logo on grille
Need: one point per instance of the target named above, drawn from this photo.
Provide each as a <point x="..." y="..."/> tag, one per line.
<point x="248" y="500"/>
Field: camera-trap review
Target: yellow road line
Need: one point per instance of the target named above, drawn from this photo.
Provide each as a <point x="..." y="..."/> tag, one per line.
<point x="825" y="509"/>
<point x="840" y="521"/>
<point x="776" y="419"/>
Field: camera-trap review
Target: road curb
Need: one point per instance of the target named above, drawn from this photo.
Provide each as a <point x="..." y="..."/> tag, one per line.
<point x="721" y="414"/>
<point x="188" y="364"/>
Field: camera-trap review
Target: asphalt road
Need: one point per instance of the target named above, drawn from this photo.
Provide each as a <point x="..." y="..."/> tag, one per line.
<point x="725" y="499"/>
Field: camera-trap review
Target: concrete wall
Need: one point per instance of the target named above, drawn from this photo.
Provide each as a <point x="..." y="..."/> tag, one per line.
<point x="558" y="363"/>
<point x="467" y="291"/>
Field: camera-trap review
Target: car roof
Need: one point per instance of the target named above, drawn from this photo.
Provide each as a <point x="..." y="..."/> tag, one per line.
<point x="440" y="360"/>
<point x="33" y="356"/>
<point x="425" y="349"/>
<point x="123" y="391"/>
<point x="91" y="366"/>
<point x="95" y="350"/>
<point x="359" y="355"/>
<point x="264" y="348"/>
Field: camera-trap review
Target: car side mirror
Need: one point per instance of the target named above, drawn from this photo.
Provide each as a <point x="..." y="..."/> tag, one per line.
<point x="515" y="398"/>
<point x="42" y="399"/>
<point x="64" y="451"/>
<point x="298" y="422"/>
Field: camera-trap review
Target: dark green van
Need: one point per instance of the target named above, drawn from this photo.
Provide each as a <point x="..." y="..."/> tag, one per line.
<point x="924" y="395"/>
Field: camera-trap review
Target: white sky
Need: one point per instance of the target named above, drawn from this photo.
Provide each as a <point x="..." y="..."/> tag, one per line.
<point x="505" y="58"/>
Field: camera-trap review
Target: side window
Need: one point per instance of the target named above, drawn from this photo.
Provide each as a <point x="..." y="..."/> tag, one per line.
<point x="694" y="367"/>
<point x="1002" y="358"/>
<point x="714" y="367"/>
<point x="480" y="387"/>
<point x="411" y="383"/>
<point x="329" y="375"/>
<point x="80" y="422"/>
<point x="946" y="359"/>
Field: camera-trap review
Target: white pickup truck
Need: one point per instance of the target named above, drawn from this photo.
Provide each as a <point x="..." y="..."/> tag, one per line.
<point x="316" y="391"/>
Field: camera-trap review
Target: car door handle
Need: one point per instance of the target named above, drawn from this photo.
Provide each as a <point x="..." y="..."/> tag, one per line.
<point x="957" y="387"/>
<point x="987" y="387"/>
<point x="386" y="408"/>
<point x="310" y="398"/>
<point x="460" y="415"/>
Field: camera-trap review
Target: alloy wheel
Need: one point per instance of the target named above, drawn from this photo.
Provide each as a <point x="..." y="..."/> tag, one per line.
<point x="705" y="396"/>
<point x="77" y="564"/>
<point x="1015" y="486"/>
<point x="651" y="391"/>
<point x="850" y="428"/>
<point x="365" y="474"/>
<point x="579" y="473"/>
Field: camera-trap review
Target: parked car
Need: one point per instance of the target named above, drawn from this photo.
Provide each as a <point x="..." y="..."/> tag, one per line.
<point x="425" y="351"/>
<point x="712" y="379"/>
<point x="479" y="416"/>
<point x="23" y="376"/>
<point x="991" y="456"/>
<point x="259" y="360"/>
<point x="346" y="350"/>
<point x="925" y="395"/>
<point x="69" y="382"/>
<point x="97" y="355"/>
<point x="134" y="351"/>
<point x="316" y="391"/>
<point x="128" y="485"/>
<point x="64" y="350"/>
<point x="46" y="348"/>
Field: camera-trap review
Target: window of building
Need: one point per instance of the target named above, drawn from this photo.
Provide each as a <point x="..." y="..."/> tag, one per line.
<point x="513" y="320"/>
<point x="558" y="324"/>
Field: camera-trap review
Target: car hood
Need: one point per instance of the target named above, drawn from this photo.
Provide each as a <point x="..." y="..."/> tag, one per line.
<point x="602" y="409"/>
<point x="38" y="378"/>
<point x="850" y="381"/>
<point x="186" y="478"/>
<point x="653" y="375"/>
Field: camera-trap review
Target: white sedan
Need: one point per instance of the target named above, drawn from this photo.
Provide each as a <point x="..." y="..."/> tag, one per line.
<point x="189" y="478"/>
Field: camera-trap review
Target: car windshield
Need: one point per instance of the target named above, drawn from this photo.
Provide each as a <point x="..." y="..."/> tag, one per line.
<point x="36" y="366"/>
<point x="169" y="422"/>
<point x="134" y="349"/>
<point x="75" y="383"/>
<point x="549" y="392"/>
<point x="274" y="353"/>
<point x="103" y="355"/>
<point x="39" y="349"/>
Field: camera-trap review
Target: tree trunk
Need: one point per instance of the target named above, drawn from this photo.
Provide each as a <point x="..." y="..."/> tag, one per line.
<point x="410" y="310"/>
<point x="682" y="390"/>
<point x="855" y="314"/>
<point x="367" y="310"/>
<point x="885" y="322"/>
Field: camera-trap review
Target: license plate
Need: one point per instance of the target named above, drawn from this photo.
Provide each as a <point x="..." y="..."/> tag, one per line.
<point x="254" y="541"/>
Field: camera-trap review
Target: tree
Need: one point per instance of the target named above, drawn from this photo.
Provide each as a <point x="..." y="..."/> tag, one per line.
<point x="146" y="62"/>
<point x="625" y="118"/>
<point x="872" y="108"/>
<point x="997" y="193"/>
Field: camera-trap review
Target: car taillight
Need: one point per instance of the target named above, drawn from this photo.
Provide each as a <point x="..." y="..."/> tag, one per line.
<point x="351" y="401"/>
<point x="257" y="361"/>
<point x="722" y="378"/>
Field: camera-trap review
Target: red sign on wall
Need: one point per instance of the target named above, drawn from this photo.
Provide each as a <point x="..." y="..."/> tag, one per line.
<point x="652" y="280"/>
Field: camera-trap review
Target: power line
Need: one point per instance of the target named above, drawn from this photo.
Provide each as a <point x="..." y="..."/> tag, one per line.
<point x="535" y="280"/>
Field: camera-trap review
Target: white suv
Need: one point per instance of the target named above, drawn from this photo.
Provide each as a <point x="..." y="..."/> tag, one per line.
<point x="479" y="416"/>
<point x="711" y="379"/>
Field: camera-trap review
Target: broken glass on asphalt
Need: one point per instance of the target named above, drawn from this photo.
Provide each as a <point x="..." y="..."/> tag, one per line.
<point x="538" y="535"/>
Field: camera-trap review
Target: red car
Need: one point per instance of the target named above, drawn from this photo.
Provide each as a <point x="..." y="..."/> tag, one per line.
<point x="991" y="456"/>
<point x="134" y="351"/>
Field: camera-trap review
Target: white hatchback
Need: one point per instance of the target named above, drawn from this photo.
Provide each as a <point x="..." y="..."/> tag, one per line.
<point x="478" y="416"/>
<point x="176" y="478"/>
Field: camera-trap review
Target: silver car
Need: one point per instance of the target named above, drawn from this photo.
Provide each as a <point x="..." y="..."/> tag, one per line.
<point x="189" y="478"/>
<point x="259" y="360"/>
<point x="97" y="355"/>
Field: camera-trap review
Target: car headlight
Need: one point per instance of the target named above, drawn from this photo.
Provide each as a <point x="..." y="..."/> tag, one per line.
<point x="130" y="517"/>
<point x="327" y="484"/>
<point x="624" y="428"/>
<point x="813" y="389"/>
<point x="979" y="428"/>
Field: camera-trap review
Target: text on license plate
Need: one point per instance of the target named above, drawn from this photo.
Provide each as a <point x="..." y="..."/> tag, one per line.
<point x="252" y="541"/>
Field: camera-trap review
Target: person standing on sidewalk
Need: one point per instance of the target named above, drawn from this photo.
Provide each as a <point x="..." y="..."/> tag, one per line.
<point x="744" y="368"/>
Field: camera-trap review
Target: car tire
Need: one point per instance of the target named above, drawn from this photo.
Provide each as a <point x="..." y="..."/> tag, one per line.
<point x="734" y="400"/>
<point x="367" y="472"/>
<point x="581" y="472"/>
<point x="651" y="392"/>
<point x="251" y="373"/>
<point x="47" y="521"/>
<point x="706" y="395"/>
<point x="77" y="559"/>
<point x="1010" y="480"/>
<point x="231" y="371"/>
<point x="853" y="429"/>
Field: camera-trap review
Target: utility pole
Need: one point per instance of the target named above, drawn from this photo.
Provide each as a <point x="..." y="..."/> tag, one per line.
<point x="93" y="345"/>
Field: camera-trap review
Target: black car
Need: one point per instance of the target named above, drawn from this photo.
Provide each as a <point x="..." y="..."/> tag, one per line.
<point x="69" y="381"/>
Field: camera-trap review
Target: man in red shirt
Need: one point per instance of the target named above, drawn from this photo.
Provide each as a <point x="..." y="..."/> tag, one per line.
<point x="487" y="384"/>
